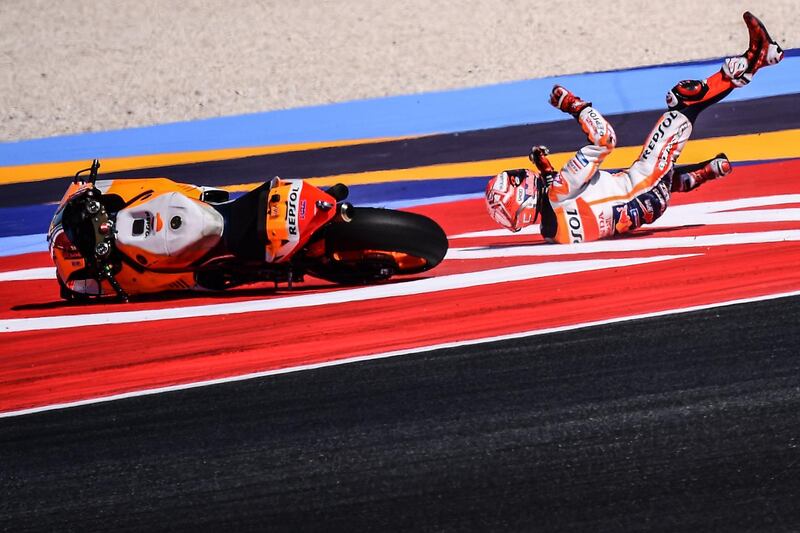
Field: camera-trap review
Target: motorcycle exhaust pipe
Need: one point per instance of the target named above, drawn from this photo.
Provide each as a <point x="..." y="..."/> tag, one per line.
<point x="345" y="211"/>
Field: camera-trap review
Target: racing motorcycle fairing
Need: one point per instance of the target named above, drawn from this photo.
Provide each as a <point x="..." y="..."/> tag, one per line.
<point x="245" y="234"/>
<point x="275" y="220"/>
<point x="295" y="211"/>
<point x="136" y="236"/>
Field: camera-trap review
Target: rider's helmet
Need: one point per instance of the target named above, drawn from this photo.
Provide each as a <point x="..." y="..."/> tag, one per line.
<point x="512" y="198"/>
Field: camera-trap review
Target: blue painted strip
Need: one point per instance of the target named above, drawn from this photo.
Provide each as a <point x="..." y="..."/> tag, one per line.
<point x="437" y="112"/>
<point x="26" y="219"/>
<point x="23" y="244"/>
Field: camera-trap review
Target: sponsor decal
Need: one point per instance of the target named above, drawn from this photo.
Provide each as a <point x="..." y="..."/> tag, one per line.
<point x="292" y="207"/>
<point x="530" y="184"/>
<point x="527" y="218"/>
<point x="649" y="213"/>
<point x="597" y="123"/>
<point x="672" y="100"/>
<point x="502" y="182"/>
<point x="636" y="216"/>
<point x="303" y="210"/>
<point x="623" y="223"/>
<point x="666" y="155"/>
<point x="575" y="224"/>
<point x="662" y="194"/>
<point x="604" y="225"/>
<point x="659" y="133"/>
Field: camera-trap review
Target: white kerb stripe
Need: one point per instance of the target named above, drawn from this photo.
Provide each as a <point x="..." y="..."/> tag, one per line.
<point x="421" y="286"/>
<point x="29" y="274"/>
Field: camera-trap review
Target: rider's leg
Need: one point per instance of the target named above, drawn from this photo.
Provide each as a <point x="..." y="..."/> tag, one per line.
<point x="660" y="151"/>
<point x="688" y="98"/>
<point x="652" y="177"/>
<point x="586" y="161"/>
<point x="688" y="177"/>
<point x="649" y="205"/>
<point x="692" y="96"/>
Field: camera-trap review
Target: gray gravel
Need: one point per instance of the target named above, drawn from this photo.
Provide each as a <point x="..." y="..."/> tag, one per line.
<point x="77" y="65"/>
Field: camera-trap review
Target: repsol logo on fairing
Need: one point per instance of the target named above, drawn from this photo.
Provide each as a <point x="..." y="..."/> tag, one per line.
<point x="659" y="133"/>
<point x="291" y="208"/>
<point x="575" y="224"/>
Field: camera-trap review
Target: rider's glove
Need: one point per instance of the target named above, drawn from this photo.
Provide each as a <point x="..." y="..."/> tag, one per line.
<point x="538" y="157"/>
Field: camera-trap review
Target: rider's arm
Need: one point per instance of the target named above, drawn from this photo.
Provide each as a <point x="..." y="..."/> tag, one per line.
<point x="586" y="162"/>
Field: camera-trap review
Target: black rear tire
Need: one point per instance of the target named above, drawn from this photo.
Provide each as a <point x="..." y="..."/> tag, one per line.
<point x="383" y="230"/>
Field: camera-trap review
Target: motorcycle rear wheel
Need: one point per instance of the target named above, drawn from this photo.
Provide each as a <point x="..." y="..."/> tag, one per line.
<point x="379" y="243"/>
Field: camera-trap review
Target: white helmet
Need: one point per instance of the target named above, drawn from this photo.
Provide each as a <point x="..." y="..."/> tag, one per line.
<point x="511" y="198"/>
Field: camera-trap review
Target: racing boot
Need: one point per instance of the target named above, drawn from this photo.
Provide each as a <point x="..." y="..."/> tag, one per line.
<point x="567" y="102"/>
<point x="762" y="51"/>
<point x="735" y="72"/>
<point x="690" y="178"/>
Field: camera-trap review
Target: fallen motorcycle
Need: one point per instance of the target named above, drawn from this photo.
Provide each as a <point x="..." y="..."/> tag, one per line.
<point x="125" y="237"/>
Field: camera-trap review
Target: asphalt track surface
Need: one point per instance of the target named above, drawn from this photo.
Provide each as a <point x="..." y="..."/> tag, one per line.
<point x="684" y="422"/>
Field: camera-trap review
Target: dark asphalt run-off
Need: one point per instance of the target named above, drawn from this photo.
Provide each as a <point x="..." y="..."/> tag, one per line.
<point x="682" y="422"/>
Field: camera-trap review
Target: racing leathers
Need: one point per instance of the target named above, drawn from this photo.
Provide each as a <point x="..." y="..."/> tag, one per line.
<point x="585" y="203"/>
<point x="581" y="202"/>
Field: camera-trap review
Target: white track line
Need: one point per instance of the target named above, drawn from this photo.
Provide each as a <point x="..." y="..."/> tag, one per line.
<point x="386" y="355"/>
<point x="29" y="274"/>
<point x="630" y="244"/>
<point x="702" y="213"/>
<point x="429" y="285"/>
<point x="533" y="229"/>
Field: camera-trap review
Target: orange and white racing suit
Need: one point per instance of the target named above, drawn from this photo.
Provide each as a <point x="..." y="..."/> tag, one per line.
<point x="586" y="203"/>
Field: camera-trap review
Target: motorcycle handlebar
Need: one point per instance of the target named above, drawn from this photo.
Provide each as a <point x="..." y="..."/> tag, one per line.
<point x="87" y="225"/>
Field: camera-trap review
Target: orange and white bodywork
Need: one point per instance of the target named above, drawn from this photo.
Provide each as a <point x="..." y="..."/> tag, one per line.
<point x="163" y="231"/>
<point x="163" y="228"/>
<point x="294" y="212"/>
<point x="167" y="231"/>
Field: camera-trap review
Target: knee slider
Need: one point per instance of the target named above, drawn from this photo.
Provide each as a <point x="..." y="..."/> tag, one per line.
<point x="686" y="93"/>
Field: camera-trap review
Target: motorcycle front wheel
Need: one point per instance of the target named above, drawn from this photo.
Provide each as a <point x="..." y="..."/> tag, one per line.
<point x="378" y="244"/>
